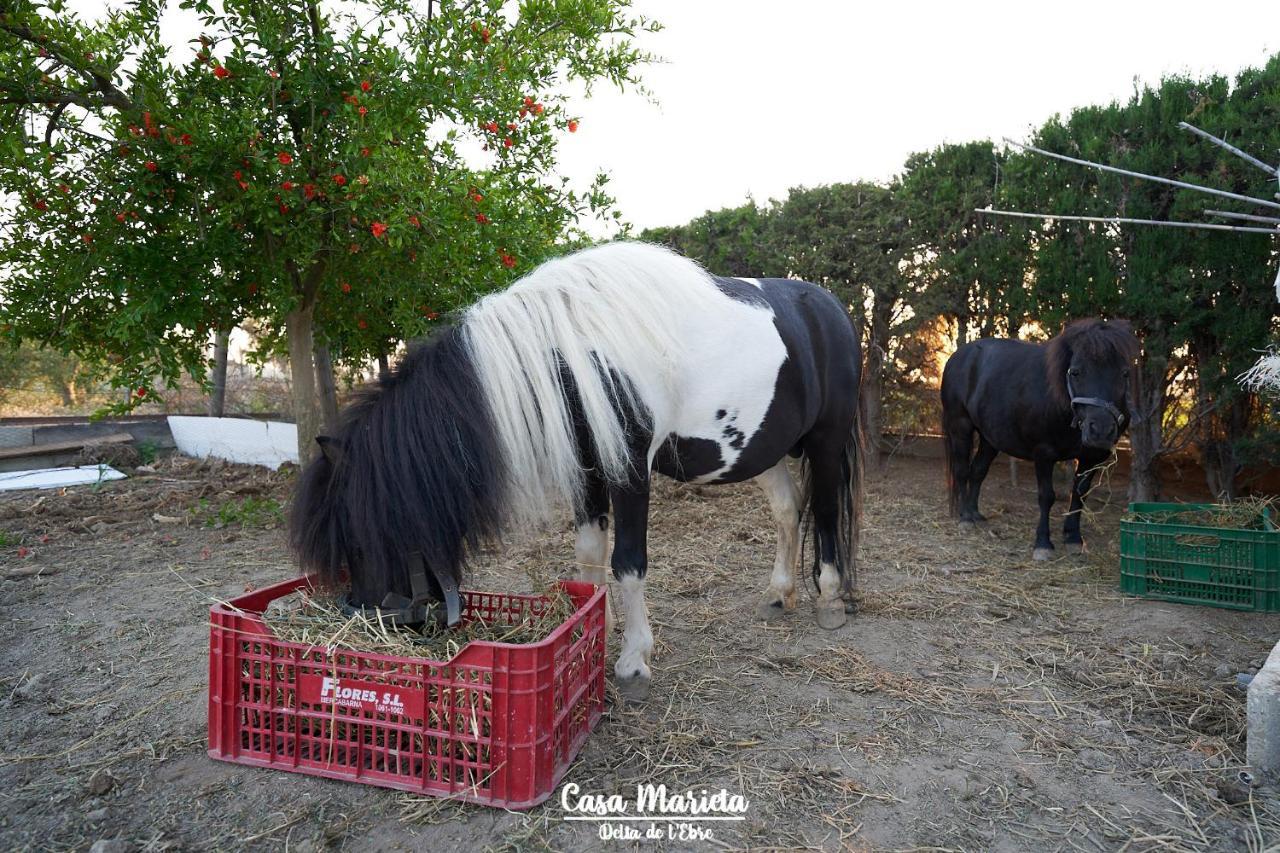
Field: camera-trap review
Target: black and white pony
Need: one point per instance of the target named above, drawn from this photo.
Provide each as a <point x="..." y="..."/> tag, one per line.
<point x="563" y="393"/>
<point x="1065" y="399"/>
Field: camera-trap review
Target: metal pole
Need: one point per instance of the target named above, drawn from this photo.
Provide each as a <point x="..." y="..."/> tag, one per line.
<point x="1182" y="184"/>
<point x="1121" y="220"/>
<point x="1248" y="158"/>
<point x="1231" y="214"/>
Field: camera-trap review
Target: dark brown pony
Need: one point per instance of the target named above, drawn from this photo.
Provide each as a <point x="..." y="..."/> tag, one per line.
<point x="1065" y="399"/>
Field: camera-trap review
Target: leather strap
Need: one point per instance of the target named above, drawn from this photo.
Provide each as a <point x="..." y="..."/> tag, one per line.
<point x="1106" y="405"/>
<point x="398" y="610"/>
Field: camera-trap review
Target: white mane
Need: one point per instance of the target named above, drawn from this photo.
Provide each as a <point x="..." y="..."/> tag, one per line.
<point x="609" y="312"/>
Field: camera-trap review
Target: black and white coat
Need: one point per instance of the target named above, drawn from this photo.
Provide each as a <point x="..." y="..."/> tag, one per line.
<point x="565" y="392"/>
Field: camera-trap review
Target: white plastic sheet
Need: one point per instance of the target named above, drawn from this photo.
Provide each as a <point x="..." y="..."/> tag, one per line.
<point x="55" y="478"/>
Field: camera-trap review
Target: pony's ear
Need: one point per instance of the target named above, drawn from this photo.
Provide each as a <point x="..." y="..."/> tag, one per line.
<point x="330" y="447"/>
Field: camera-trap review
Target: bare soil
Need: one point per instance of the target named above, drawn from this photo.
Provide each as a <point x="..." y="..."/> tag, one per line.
<point x="978" y="700"/>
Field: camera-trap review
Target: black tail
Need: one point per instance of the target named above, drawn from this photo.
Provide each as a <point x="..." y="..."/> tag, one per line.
<point x="848" y="508"/>
<point x="957" y="450"/>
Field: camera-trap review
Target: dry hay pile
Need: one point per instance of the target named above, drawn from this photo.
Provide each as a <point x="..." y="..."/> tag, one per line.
<point x="321" y="620"/>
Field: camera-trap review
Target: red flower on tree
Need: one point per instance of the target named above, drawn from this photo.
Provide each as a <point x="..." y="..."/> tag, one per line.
<point x="573" y="125"/>
<point x="364" y="152"/>
<point x="378" y="229"/>
<point x="309" y="190"/>
<point x="340" y="180"/>
<point x="286" y="186"/>
<point x="140" y="393"/>
<point x="151" y="165"/>
<point x="363" y="111"/>
<point x="528" y="101"/>
<point x="40" y="204"/>
<point x="413" y="220"/>
<point x="362" y="324"/>
<point x="476" y="197"/>
<point x="120" y="217"/>
<point x="285" y="158"/>
<point x="88" y="238"/>
<point x="365" y="85"/>
<point x="508" y="261"/>
<point x="492" y="127"/>
<point x="221" y="72"/>
<point x="481" y="218"/>
<point x="185" y="139"/>
<point x="484" y="35"/>
<point x="507" y="142"/>
<point x="346" y="288"/>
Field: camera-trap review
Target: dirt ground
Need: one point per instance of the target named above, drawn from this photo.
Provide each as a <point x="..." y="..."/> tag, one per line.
<point x="978" y="701"/>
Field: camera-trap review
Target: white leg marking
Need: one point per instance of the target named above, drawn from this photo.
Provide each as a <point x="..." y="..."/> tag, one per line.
<point x="828" y="583"/>
<point x="785" y="502"/>
<point x="637" y="639"/>
<point x="591" y="551"/>
<point x="830" y="610"/>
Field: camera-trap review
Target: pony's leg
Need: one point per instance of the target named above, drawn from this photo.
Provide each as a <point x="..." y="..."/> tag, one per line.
<point x="1080" y="485"/>
<point x="784" y="500"/>
<point x="978" y="469"/>
<point x="591" y="550"/>
<point x="958" y="436"/>
<point x="630" y="562"/>
<point x="1044" y="482"/>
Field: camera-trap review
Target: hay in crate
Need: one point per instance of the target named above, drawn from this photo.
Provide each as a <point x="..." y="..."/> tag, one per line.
<point x="319" y="619"/>
<point x="1241" y="514"/>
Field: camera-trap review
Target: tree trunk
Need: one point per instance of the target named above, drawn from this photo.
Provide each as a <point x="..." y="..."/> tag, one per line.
<point x="299" y="326"/>
<point x="872" y="397"/>
<point x="328" y="389"/>
<point x="218" y="376"/>
<point x="384" y="367"/>
<point x="1145" y="437"/>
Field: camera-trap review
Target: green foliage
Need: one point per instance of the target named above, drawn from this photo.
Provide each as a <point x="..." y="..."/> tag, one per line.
<point x="730" y="242"/>
<point x="248" y="512"/>
<point x="370" y="165"/>
<point x="916" y="256"/>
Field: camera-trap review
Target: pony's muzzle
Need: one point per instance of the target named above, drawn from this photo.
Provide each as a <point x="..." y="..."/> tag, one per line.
<point x="1100" y="431"/>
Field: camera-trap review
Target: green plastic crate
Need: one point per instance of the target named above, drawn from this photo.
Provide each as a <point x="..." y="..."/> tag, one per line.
<point x="1193" y="564"/>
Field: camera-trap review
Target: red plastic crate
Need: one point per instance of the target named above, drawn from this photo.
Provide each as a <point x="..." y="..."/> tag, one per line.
<point x="498" y="724"/>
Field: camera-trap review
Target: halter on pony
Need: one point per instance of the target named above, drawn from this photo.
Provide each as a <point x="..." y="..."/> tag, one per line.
<point x="1106" y="405"/>
<point x="397" y="610"/>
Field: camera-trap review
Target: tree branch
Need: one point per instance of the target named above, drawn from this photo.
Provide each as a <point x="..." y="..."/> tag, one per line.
<point x="111" y="95"/>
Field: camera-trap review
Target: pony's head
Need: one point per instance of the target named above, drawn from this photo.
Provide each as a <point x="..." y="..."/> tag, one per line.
<point x="413" y="470"/>
<point x="1089" y="366"/>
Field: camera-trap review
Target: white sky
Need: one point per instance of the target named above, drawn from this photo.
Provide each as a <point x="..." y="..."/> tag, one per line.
<point x="757" y="97"/>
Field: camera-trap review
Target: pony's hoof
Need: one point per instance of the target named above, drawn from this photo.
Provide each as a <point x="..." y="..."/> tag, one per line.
<point x="1075" y="547"/>
<point x="851" y="605"/>
<point x="634" y="689"/>
<point x="832" y="616"/>
<point x="1042" y="554"/>
<point x="770" y="610"/>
